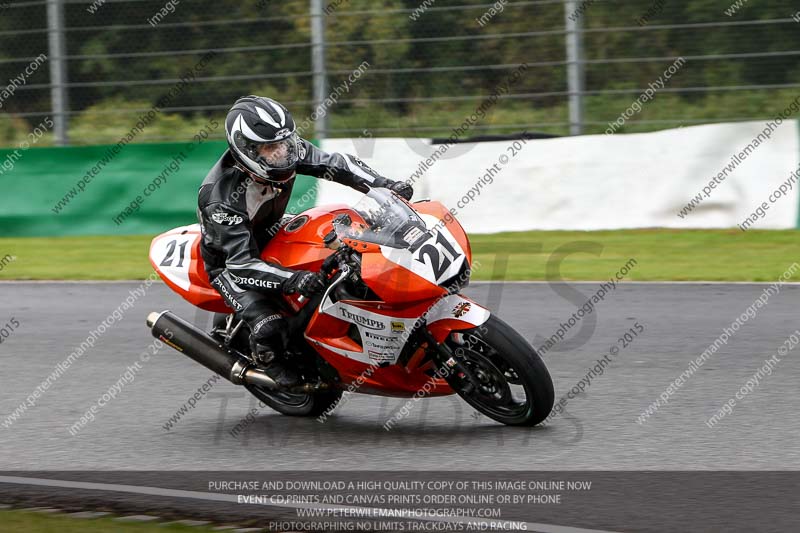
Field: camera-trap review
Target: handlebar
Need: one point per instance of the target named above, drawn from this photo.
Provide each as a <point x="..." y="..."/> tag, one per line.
<point x="335" y="261"/>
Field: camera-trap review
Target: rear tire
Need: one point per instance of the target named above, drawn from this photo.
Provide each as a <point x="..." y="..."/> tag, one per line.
<point x="305" y="404"/>
<point x="302" y="404"/>
<point x="501" y="357"/>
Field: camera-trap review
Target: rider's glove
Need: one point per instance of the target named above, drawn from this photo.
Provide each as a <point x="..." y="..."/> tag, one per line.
<point x="402" y="188"/>
<point x="305" y="282"/>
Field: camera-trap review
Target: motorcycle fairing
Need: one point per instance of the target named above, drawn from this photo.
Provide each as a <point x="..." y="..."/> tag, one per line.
<point x="453" y="313"/>
<point x="299" y="246"/>
<point x="436" y="260"/>
<point x="329" y="332"/>
<point x="382" y="336"/>
<point x="175" y="255"/>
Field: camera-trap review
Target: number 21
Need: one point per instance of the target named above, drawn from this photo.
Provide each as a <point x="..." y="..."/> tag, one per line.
<point x="432" y="252"/>
<point x="167" y="262"/>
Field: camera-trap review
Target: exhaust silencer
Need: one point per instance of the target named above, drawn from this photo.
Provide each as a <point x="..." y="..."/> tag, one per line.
<point x="201" y="347"/>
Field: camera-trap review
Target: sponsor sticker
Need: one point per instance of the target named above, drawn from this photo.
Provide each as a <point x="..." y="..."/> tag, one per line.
<point x="267" y="320"/>
<point x="365" y="321"/>
<point x="398" y="327"/>
<point x="384" y="347"/>
<point x="380" y="356"/>
<point x="461" y="309"/>
<point x="413" y="234"/>
<point x="224" y="291"/>
<point x="220" y="217"/>
<point x="255" y="282"/>
<point x="384" y="338"/>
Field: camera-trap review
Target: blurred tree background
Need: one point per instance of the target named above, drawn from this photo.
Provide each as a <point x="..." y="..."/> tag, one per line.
<point x="427" y="70"/>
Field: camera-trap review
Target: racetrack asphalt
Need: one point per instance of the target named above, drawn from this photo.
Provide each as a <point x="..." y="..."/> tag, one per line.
<point x="597" y="432"/>
<point x="599" y="429"/>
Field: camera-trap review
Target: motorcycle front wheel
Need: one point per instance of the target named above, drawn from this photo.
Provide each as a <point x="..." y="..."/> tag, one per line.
<point x="512" y="384"/>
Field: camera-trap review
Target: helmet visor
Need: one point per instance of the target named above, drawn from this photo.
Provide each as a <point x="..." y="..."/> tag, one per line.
<point x="274" y="155"/>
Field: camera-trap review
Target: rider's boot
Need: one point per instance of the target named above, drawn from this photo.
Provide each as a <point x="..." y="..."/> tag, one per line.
<point x="272" y="358"/>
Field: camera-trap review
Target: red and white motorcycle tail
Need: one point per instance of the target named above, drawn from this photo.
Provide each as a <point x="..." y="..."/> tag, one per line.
<point x="175" y="255"/>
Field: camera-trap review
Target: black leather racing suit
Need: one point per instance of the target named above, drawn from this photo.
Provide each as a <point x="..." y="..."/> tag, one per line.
<point x="239" y="216"/>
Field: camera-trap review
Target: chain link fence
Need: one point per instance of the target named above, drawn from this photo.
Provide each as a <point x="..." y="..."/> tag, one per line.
<point x="411" y="68"/>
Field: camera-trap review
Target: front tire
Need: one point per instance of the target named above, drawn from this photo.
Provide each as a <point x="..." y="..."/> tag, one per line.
<point x="505" y="366"/>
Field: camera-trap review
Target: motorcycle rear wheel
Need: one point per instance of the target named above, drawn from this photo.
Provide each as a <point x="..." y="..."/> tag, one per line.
<point x="291" y="404"/>
<point x="303" y="404"/>
<point x="504" y="365"/>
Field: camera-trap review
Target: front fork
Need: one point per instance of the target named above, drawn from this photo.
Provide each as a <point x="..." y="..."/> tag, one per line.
<point x="449" y="360"/>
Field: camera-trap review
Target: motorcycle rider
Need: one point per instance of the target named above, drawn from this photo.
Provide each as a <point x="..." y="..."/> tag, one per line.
<point x="240" y="206"/>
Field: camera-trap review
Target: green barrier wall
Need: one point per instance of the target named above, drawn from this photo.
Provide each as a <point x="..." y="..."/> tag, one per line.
<point x="35" y="180"/>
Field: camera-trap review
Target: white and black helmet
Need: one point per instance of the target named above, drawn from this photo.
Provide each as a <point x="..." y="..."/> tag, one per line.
<point x="262" y="138"/>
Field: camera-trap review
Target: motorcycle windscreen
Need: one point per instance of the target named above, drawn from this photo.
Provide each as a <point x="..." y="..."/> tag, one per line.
<point x="387" y="220"/>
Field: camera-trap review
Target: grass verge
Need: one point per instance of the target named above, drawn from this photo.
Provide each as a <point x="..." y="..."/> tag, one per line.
<point x="31" y="522"/>
<point x="659" y="254"/>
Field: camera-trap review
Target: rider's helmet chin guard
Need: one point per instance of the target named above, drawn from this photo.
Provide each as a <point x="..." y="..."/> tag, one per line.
<point x="262" y="137"/>
<point x="276" y="178"/>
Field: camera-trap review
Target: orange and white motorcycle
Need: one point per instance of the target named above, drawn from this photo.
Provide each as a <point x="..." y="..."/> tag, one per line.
<point x="391" y="322"/>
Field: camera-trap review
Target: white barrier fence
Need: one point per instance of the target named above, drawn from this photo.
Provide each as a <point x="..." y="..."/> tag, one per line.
<point x="599" y="181"/>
